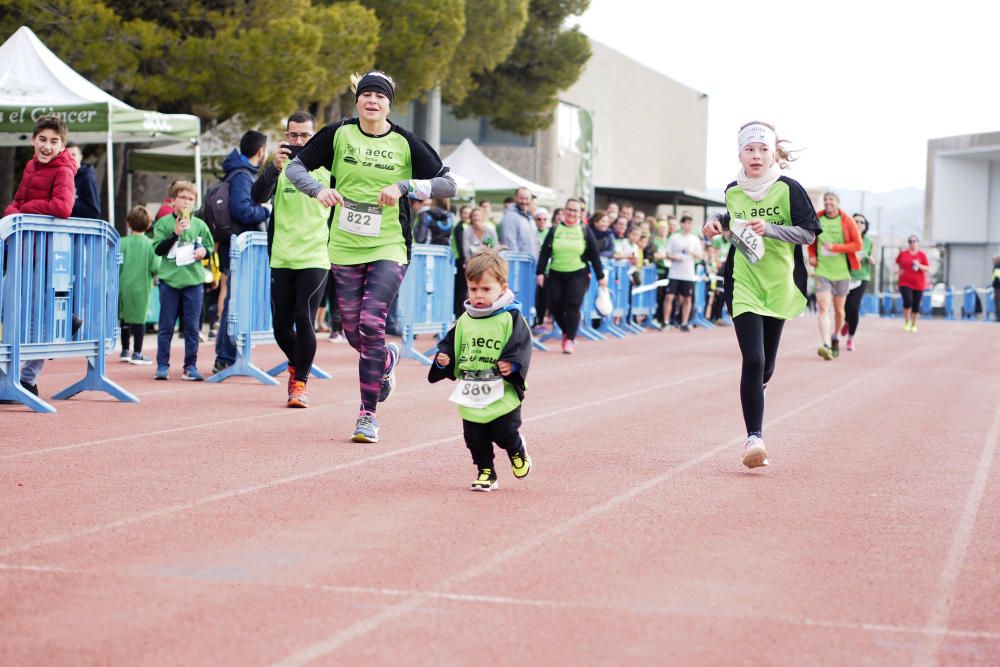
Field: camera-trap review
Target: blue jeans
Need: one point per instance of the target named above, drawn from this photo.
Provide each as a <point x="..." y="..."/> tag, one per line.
<point x="185" y="302"/>
<point x="225" y="347"/>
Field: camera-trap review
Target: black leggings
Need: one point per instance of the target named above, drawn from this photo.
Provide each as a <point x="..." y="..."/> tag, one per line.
<point x="503" y="430"/>
<point x="911" y="298"/>
<point x="136" y="331"/>
<point x="852" y="306"/>
<point x="565" y="292"/>
<point x="295" y="298"/>
<point x="758" y="337"/>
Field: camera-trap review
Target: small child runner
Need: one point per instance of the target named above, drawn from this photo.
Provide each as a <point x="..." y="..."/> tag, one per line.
<point x="135" y="280"/>
<point x="761" y="295"/>
<point x="494" y="344"/>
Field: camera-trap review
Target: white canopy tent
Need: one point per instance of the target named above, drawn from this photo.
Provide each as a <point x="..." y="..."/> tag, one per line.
<point x="490" y="178"/>
<point x="34" y="82"/>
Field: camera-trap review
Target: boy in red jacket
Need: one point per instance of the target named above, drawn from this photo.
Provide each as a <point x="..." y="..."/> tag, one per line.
<point x="46" y="188"/>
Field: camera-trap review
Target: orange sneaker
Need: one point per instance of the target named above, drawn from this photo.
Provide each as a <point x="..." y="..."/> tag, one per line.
<point x="291" y="380"/>
<point x="297" y="397"/>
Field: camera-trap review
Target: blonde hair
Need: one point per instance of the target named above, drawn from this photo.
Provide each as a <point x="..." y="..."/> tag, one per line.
<point x="183" y="186"/>
<point x="356" y="79"/>
<point x="782" y="155"/>
<point x="488" y="261"/>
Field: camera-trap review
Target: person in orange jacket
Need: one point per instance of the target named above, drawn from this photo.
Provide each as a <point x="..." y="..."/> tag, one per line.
<point x="832" y="259"/>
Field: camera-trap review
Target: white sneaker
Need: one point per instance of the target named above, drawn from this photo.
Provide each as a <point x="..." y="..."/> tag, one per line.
<point x="754" y="454"/>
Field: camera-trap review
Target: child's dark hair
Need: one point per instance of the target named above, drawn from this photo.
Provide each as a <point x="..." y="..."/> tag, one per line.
<point x="53" y="123"/>
<point x="138" y="219"/>
<point x="782" y="155"/>
<point x="488" y="261"/>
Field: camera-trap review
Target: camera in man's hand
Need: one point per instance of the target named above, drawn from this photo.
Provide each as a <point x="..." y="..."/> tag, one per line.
<point x="292" y="149"/>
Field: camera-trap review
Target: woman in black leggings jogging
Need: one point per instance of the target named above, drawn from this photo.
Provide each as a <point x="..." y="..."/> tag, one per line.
<point x="768" y="215"/>
<point x="566" y="252"/>
<point x="859" y="280"/>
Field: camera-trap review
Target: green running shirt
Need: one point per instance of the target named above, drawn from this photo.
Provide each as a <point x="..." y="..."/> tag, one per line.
<point x="478" y="344"/>
<point x="865" y="272"/>
<point x="776" y="285"/>
<point x="301" y="233"/>
<point x="568" y="246"/>
<point x="832" y="266"/>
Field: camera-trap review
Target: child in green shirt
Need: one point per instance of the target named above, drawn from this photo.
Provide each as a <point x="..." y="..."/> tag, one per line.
<point x="135" y="279"/>
<point x="488" y="352"/>
<point x="181" y="241"/>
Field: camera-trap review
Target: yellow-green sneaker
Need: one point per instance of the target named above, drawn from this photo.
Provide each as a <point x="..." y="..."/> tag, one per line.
<point x="520" y="462"/>
<point x="486" y="481"/>
<point x="906" y="326"/>
<point x="825" y="352"/>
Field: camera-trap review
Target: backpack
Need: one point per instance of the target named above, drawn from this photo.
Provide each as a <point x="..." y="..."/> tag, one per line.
<point x="215" y="208"/>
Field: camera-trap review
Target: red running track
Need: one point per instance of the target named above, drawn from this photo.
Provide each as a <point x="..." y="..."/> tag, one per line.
<point x="211" y="525"/>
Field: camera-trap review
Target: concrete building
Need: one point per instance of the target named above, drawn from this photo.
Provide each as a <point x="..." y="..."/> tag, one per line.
<point x="962" y="207"/>
<point x="623" y="131"/>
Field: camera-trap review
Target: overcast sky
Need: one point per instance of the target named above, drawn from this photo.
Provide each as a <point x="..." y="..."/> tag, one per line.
<point x="861" y="86"/>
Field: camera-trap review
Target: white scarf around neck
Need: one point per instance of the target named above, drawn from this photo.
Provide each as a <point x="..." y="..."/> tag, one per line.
<point x="756" y="188"/>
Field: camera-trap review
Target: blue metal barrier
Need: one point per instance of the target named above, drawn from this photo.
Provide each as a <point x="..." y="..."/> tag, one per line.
<point x="249" y="304"/>
<point x="52" y="271"/>
<point x="925" y="304"/>
<point x="522" y="282"/>
<point x="620" y="287"/>
<point x="989" y="306"/>
<point x="426" y="298"/>
<point x="698" y="318"/>
<point x="588" y="312"/>
<point x="644" y="299"/>
<point x="969" y="303"/>
<point x="949" y="304"/>
<point x="250" y="320"/>
<point x="869" y="304"/>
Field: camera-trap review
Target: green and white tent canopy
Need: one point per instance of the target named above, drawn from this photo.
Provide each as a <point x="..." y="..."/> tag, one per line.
<point x="35" y="82"/>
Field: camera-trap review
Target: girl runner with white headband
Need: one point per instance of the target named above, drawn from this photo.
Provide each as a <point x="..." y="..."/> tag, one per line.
<point x="766" y="277"/>
<point x="376" y="167"/>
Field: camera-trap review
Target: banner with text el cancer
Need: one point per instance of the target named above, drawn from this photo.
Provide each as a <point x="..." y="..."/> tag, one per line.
<point x="78" y="118"/>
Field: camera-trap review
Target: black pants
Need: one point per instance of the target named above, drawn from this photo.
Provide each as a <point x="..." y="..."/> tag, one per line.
<point x="758" y="337"/>
<point x="461" y="289"/>
<point x="136" y="332"/>
<point x="295" y="297"/>
<point x="996" y="303"/>
<point x="911" y="298"/>
<point x="565" y="292"/>
<point x="541" y="306"/>
<point x="479" y="438"/>
<point x="852" y="307"/>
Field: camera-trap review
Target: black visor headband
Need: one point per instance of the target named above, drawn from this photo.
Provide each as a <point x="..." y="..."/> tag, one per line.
<point x="376" y="82"/>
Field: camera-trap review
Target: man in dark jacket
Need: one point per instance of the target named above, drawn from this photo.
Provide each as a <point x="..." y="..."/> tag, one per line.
<point x="88" y="201"/>
<point x="240" y="168"/>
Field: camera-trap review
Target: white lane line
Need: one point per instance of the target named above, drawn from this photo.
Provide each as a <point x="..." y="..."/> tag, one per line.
<point x="278" y="412"/>
<point x="476" y="599"/>
<point x="235" y="493"/>
<point x="337" y="640"/>
<point x="955" y="561"/>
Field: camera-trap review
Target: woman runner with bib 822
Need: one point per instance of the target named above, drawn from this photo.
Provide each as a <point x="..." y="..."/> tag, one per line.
<point x="768" y="215"/>
<point x="375" y="168"/>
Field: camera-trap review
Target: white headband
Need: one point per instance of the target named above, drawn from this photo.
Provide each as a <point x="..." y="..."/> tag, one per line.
<point x="757" y="133"/>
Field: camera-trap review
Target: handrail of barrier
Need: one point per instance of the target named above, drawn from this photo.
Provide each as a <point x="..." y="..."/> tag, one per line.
<point x="52" y="271"/>
<point x="588" y="312"/>
<point x="426" y="298"/>
<point x="522" y="282"/>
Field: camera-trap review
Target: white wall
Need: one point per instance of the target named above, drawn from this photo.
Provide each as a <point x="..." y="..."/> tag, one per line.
<point x="650" y="131"/>
<point x="993" y="217"/>
<point x="961" y="200"/>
